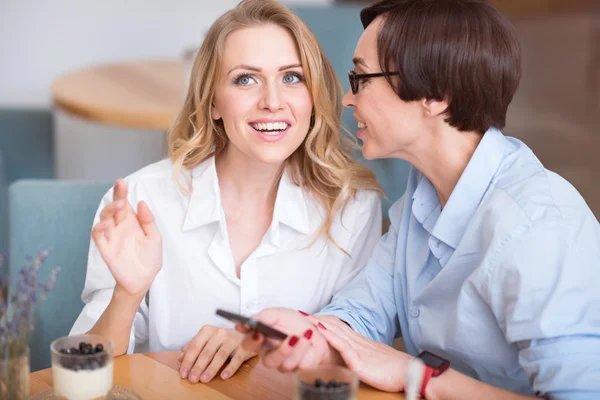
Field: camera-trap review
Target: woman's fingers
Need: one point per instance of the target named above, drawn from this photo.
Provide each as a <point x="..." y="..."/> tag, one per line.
<point x="101" y="234"/>
<point x="217" y="360"/>
<point x="108" y="212"/>
<point x="343" y="347"/>
<point x="183" y="350"/>
<point x="275" y="358"/>
<point x="239" y="356"/>
<point x="205" y="357"/>
<point x="193" y="350"/>
<point x="120" y="194"/>
<point x="253" y="342"/>
<point x="146" y="220"/>
<point x="300" y="346"/>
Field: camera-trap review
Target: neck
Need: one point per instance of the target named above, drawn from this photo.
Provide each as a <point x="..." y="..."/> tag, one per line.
<point x="442" y="157"/>
<point x="247" y="180"/>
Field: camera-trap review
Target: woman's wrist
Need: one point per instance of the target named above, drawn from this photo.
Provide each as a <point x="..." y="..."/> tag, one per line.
<point x="122" y="297"/>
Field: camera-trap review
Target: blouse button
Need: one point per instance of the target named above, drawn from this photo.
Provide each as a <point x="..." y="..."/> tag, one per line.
<point x="415" y="312"/>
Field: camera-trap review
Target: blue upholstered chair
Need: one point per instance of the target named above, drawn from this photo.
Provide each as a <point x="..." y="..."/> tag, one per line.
<point x="338" y="28"/>
<point x="58" y="216"/>
<point x="3" y="209"/>
<point x="26" y="151"/>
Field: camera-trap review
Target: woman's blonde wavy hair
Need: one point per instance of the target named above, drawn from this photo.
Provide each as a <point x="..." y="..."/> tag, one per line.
<point x="322" y="164"/>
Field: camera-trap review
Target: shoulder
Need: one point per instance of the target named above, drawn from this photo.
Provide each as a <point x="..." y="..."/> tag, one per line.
<point x="543" y="236"/>
<point x="153" y="174"/>
<point x="526" y="197"/>
<point x="148" y="182"/>
<point x="364" y="202"/>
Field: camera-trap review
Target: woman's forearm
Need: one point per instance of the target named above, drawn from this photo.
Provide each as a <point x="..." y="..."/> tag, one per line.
<point x="116" y="321"/>
<point x="452" y="385"/>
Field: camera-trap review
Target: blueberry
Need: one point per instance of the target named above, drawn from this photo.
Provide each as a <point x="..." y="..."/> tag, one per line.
<point x="93" y="364"/>
<point x="332" y="384"/>
<point x="319" y="382"/>
<point x="102" y="359"/>
<point x="63" y="351"/>
<point x="99" y="348"/>
<point x="73" y="350"/>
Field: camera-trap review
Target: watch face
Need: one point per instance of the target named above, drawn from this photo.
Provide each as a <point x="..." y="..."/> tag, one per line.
<point x="432" y="360"/>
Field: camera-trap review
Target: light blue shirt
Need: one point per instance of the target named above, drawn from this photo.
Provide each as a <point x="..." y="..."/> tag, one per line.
<point x="504" y="281"/>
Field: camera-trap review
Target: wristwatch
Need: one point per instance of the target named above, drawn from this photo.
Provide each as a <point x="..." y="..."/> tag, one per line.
<point x="434" y="366"/>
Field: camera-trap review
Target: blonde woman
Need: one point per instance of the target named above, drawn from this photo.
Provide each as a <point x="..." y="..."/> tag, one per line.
<point x="259" y="204"/>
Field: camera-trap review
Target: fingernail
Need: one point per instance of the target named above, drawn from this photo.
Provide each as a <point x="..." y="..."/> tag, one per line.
<point x="225" y="375"/>
<point x="293" y="341"/>
<point x="184" y="373"/>
<point x="205" y="377"/>
<point x="194" y="378"/>
<point x="256" y="336"/>
<point x="308" y="334"/>
<point x="303" y="313"/>
<point x="320" y="325"/>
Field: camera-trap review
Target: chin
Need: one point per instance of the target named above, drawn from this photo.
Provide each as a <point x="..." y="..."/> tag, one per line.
<point x="369" y="153"/>
<point x="272" y="156"/>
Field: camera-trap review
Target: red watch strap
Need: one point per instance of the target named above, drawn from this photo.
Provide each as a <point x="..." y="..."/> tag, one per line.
<point x="426" y="376"/>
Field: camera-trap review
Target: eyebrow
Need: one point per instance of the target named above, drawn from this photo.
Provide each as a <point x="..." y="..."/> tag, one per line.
<point x="256" y="69"/>
<point x="360" y="62"/>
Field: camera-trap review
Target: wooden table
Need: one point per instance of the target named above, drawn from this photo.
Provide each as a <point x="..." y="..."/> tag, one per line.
<point x="156" y="376"/>
<point x="141" y="98"/>
<point x="144" y="94"/>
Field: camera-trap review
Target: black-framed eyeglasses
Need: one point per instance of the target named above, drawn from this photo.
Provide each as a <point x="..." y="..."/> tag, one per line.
<point x="355" y="78"/>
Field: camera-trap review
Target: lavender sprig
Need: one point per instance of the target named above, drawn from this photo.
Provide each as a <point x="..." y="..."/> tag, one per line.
<point x="18" y="311"/>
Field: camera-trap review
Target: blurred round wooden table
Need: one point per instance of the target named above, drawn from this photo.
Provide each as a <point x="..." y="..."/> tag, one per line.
<point x="156" y="376"/>
<point x="144" y="94"/>
<point x="110" y="120"/>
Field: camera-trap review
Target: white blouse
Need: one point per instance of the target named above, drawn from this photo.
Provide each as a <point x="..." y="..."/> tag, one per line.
<point x="198" y="274"/>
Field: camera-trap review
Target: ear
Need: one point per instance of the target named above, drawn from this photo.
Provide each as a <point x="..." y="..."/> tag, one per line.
<point x="433" y="108"/>
<point x="214" y="113"/>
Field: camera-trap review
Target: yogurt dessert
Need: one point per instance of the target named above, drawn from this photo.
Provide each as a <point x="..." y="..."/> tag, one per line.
<point x="327" y="382"/>
<point x="82" y="367"/>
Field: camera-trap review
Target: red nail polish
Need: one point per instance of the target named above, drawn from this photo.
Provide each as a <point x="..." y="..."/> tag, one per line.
<point x="320" y="325"/>
<point x="308" y="334"/>
<point x="303" y="313"/>
<point x="293" y="341"/>
<point x="256" y="336"/>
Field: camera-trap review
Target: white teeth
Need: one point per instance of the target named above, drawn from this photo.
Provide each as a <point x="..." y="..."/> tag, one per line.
<point x="361" y="125"/>
<point x="270" y="128"/>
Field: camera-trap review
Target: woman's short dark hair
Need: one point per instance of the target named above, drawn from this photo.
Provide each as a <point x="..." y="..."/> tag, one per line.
<point x="463" y="51"/>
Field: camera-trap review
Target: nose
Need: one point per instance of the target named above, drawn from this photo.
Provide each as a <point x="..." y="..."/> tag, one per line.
<point x="271" y="98"/>
<point x="348" y="99"/>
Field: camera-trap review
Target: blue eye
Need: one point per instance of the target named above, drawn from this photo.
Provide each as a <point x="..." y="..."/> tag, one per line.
<point x="244" y="80"/>
<point x="292" y="78"/>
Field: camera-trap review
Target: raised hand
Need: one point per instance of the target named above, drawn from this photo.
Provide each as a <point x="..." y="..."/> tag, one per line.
<point x="202" y="358"/>
<point x="129" y="243"/>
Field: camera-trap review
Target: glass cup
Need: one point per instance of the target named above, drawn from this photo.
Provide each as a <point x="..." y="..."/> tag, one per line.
<point x="82" y="367"/>
<point x="329" y="382"/>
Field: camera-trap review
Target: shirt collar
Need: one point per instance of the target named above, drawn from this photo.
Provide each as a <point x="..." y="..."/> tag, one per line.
<point x="290" y="205"/>
<point x="469" y="191"/>
<point x="205" y="201"/>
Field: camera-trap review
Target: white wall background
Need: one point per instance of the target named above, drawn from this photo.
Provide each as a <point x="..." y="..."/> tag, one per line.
<point x="42" y="39"/>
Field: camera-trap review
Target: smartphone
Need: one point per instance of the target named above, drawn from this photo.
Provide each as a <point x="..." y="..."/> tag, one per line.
<point x="252" y="324"/>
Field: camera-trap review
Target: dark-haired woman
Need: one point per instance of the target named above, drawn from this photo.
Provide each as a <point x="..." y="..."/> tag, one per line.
<point x="490" y="270"/>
